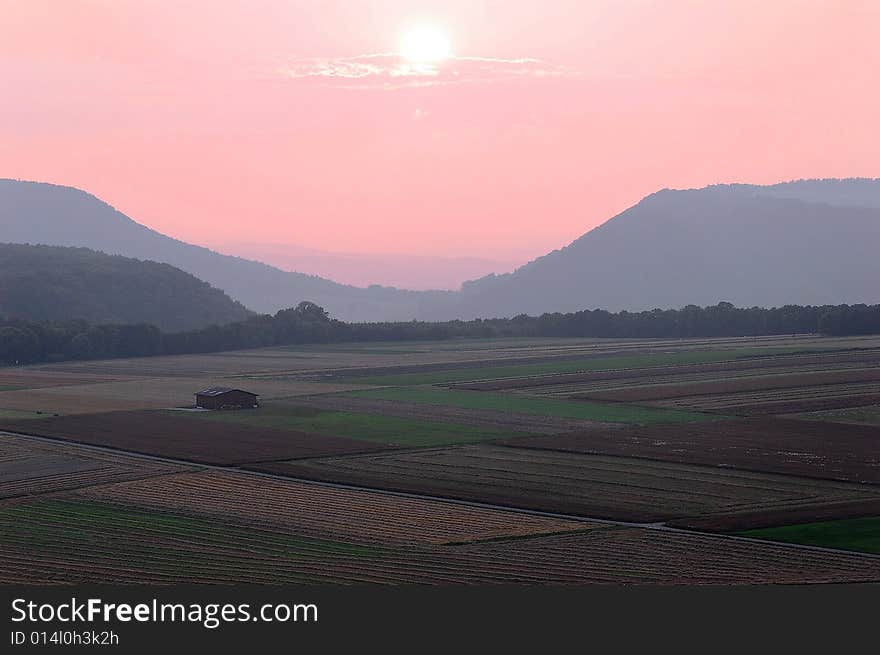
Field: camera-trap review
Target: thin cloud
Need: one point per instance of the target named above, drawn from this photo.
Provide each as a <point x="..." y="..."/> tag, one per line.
<point x="387" y="70"/>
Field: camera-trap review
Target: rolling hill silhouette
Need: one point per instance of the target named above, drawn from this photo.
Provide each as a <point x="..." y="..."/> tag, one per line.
<point x="804" y="242"/>
<point x="53" y="283"/>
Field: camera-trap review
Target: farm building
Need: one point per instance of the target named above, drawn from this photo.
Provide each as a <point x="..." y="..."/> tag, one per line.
<point x="226" y="398"/>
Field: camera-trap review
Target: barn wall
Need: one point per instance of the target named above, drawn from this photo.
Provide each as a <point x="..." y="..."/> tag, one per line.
<point x="230" y="398"/>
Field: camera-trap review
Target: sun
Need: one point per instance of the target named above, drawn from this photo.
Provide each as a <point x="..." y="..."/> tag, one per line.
<point x="425" y="45"/>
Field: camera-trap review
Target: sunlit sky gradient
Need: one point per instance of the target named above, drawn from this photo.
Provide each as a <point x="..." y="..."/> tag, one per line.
<point x="292" y="121"/>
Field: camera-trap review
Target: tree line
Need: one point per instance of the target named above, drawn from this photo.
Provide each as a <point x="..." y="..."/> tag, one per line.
<point x="23" y="342"/>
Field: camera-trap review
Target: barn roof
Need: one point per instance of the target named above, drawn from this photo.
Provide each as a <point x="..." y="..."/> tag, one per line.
<point x="219" y="391"/>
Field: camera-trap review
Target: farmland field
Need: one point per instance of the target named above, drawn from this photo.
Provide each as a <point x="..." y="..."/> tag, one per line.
<point x="586" y="381"/>
<point x="587" y="485"/>
<point x="498" y="461"/>
<point x="861" y="535"/>
<point x="145" y="393"/>
<point x="29" y="468"/>
<point x="584" y="410"/>
<point x="390" y="430"/>
<point x="63" y="541"/>
<point x="18" y="414"/>
<point x="324" y="512"/>
<point x="491" y="418"/>
<point x="803" y="448"/>
<point x="869" y="415"/>
<point x="166" y="434"/>
<point x="742" y="384"/>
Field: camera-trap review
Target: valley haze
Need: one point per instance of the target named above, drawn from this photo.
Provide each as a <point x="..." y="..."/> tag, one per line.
<point x="804" y="242"/>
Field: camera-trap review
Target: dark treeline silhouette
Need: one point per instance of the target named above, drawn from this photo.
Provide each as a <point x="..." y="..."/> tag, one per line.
<point x="27" y="342"/>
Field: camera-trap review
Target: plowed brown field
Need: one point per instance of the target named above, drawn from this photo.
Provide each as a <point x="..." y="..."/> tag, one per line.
<point x="586" y="485"/>
<point x="808" y="448"/>
<point x="211" y="442"/>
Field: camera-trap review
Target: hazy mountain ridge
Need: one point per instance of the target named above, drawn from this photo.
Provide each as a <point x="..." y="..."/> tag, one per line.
<point x="745" y="244"/>
<point x="808" y="242"/>
<point x="41" y="213"/>
<point x="55" y="283"/>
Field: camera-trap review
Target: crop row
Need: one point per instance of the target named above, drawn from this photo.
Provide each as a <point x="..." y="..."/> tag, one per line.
<point x="29" y="467"/>
<point x="822" y="397"/>
<point x="587" y="380"/>
<point x="587" y="485"/>
<point x="820" y="381"/>
<point x="64" y="542"/>
<point x="796" y="447"/>
<point x="319" y="510"/>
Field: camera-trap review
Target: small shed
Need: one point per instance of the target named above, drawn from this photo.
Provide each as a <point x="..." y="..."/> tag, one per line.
<point x="226" y="398"/>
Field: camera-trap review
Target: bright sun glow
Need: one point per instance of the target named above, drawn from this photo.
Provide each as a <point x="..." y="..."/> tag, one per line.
<point x="425" y="45"/>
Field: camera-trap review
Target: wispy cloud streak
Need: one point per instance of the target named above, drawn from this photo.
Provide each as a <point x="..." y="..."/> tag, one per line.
<point x="387" y="70"/>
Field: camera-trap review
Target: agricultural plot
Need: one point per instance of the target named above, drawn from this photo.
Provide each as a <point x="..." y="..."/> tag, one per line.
<point x="146" y="393"/>
<point x="582" y="410"/>
<point x="65" y="541"/>
<point x="780" y="401"/>
<point x="402" y="431"/>
<point x="585" y="381"/>
<point x="804" y="448"/>
<point x="30" y="468"/>
<point x="485" y="418"/>
<point x="826" y="381"/>
<point x="733" y="521"/>
<point x="869" y="415"/>
<point x="658" y="447"/>
<point x="329" y="359"/>
<point x="324" y="512"/>
<point x="15" y="414"/>
<point x="174" y="435"/>
<point x="34" y="377"/>
<point x="494" y="370"/>
<point x="586" y="485"/>
<point x="862" y="535"/>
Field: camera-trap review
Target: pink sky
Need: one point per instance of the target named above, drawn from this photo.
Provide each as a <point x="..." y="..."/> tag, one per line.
<point x="219" y="121"/>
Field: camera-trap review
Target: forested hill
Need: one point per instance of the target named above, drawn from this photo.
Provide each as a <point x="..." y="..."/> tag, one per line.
<point x="807" y="243"/>
<point x="48" y="283"/>
<point x="36" y="212"/>
<point x="811" y="242"/>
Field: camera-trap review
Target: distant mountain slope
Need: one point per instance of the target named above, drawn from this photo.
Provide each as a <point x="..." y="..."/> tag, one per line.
<point x="57" y="284"/>
<point x="811" y="242"/>
<point x="38" y="213"/>
<point x="805" y="242"/>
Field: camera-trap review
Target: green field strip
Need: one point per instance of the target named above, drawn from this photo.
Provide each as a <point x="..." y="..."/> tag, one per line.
<point x="578" y="365"/>
<point x="392" y="430"/>
<point x="508" y="402"/>
<point x="861" y="535"/>
<point x="20" y="414"/>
